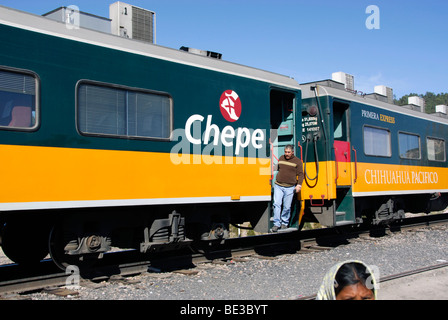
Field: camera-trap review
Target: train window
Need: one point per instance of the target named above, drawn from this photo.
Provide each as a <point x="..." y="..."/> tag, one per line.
<point x="409" y="145"/>
<point x="377" y="142"/>
<point x="123" y="112"/>
<point x="436" y="149"/>
<point x="340" y="121"/>
<point x="18" y="100"/>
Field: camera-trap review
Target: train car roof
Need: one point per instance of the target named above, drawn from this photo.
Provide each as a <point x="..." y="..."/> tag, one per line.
<point x="337" y="90"/>
<point x="28" y="21"/>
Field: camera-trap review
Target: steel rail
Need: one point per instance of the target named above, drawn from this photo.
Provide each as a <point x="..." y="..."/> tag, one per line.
<point x="126" y="263"/>
<point x="413" y="272"/>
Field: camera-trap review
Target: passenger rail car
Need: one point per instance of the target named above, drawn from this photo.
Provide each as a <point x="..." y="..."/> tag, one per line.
<point x="110" y="142"/>
<point x="367" y="159"/>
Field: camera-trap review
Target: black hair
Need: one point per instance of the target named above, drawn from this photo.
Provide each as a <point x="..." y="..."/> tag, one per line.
<point x="351" y="273"/>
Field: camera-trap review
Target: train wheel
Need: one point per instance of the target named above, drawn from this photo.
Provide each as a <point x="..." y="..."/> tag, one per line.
<point x="25" y="243"/>
<point x="219" y="231"/>
<point x="59" y="244"/>
<point x="70" y="248"/>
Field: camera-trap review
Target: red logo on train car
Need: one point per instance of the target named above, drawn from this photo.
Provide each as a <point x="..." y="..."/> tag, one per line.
<point x="230" y="105"/>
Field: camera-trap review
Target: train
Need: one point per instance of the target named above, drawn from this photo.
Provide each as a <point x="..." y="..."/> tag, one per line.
<point x="109" y="142"/>
<point x="368" y="159"/>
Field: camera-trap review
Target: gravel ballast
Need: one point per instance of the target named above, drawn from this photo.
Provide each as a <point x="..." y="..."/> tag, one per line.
<point x="286" y="277"/>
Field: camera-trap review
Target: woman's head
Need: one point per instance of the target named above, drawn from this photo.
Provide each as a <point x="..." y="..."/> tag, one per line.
<point x="348" y="280"/>
<point x="352" y="282"/>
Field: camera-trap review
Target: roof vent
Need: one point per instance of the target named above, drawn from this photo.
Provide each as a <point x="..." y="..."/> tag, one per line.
<point x="441" y="108"/>
<point x="385" y="91"/>
<point x="132" y="22"/>
<point x="418" y="102"/>
<point x="204" y="53"/>
<point x="347" y="79"/>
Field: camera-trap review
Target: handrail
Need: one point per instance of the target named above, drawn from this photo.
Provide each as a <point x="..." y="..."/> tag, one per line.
<point x="356" y="164"/>
<point x="317" y="204"/>
<point x="301" y="151"/>
<point x="336" y="163"/>
<point x="272" y="159"/>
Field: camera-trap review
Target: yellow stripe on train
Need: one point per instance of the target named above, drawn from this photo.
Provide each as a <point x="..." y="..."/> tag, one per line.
<point x="46" y="174"/>
<point x="368" y="179"/>
<point x="379" y="179"/>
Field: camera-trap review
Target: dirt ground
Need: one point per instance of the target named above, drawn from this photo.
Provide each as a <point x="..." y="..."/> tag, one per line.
<point x="430" y="285"/>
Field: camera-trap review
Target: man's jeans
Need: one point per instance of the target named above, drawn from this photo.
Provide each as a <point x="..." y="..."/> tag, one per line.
<point x="282" y="194"/>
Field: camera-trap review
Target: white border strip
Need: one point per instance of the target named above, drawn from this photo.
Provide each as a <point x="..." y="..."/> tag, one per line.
<point x="125" y="202"/>
<point x="401" y="192"/>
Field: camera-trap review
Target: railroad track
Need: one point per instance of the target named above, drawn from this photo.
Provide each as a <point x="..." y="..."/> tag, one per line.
<point x="46" y="274"/>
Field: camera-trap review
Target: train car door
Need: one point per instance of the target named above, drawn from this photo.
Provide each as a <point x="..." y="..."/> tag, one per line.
<point x="341" y="144"/>
<point x="344" y="213"/>
<point x="282" y="122"/>
<point x="283" y="132"/>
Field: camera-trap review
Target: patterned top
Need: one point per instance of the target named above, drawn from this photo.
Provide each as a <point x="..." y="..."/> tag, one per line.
<point x="290" y="172"/>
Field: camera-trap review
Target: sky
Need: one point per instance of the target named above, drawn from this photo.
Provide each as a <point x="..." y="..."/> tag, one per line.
<point x="399" y="44"/>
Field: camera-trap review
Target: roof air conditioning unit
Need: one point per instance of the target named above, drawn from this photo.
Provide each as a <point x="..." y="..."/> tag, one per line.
<point x="441" y="108"/>
<point x="417" y="101"/>
<point x="347" y="79"/>
<point x="385" y="91"/>
<point x="132" y="22"/>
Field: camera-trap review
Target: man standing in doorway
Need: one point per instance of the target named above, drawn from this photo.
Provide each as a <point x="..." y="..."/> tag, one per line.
<point x="289" y="180"/>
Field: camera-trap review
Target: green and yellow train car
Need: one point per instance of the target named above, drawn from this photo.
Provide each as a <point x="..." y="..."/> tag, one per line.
<point x="368" y="159"/>
<point x="111" y="142"/>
